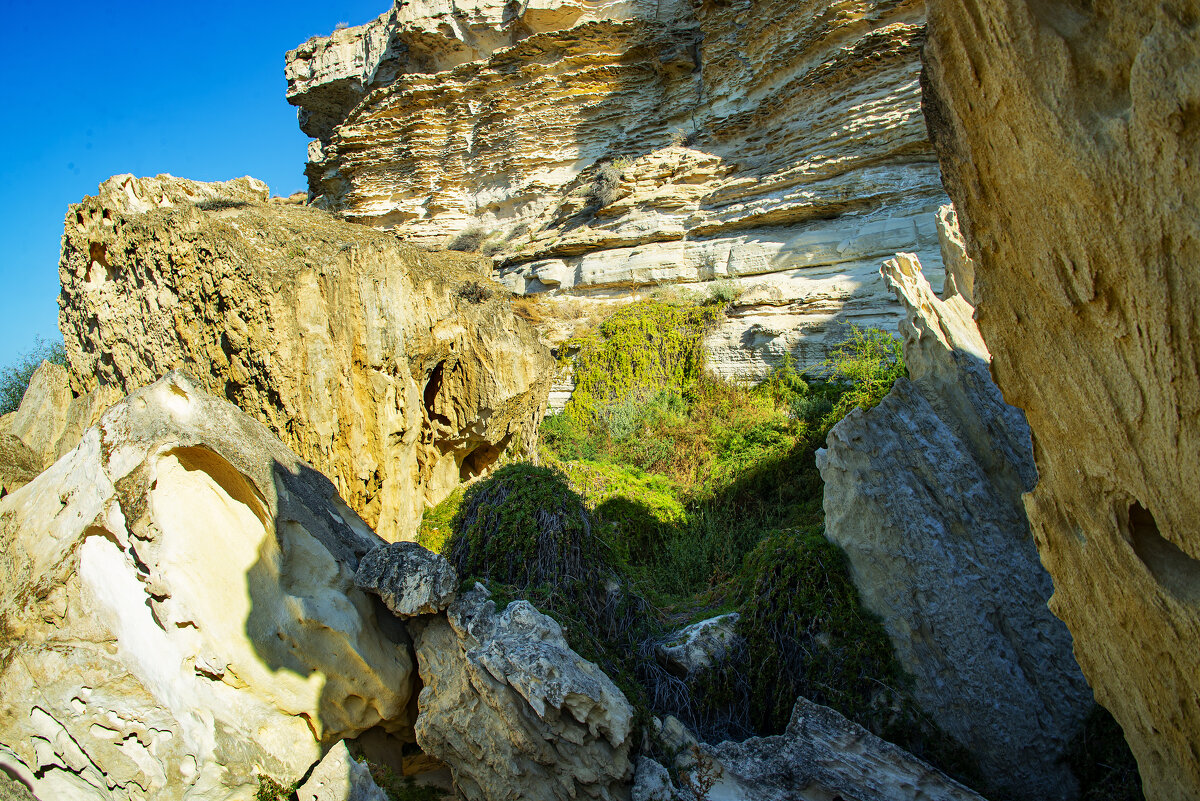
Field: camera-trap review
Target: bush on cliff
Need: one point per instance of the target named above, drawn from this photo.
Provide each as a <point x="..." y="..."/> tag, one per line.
<point x="526" y="534"/>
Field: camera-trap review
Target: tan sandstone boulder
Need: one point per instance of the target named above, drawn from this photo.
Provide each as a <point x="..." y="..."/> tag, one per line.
<point x="177" y="611"/>
<point x="1067" y="134"/>
<point x="397" y="373"/>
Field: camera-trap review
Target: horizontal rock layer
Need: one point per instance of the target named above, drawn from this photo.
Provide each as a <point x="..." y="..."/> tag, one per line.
<point x="177" y="611"/>
<point x="398" y="373"/>
<point x="604" y="148"/>
<point x="1068" y="137"/>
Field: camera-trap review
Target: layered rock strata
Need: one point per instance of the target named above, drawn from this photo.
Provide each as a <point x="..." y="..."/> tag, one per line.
<point x="177" y="611"/>
<point x="604" y="148"/>
<point x="923" y="493"/>
<point x="396" y="372"/>
<point x="1067" y="133"/>
<point x="514" y="711"/>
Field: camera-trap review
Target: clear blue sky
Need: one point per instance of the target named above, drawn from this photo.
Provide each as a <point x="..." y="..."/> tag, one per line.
<point x="97" y="89"/>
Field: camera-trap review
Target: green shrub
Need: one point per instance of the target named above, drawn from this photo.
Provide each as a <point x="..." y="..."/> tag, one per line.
<point x="809" y="635"/>
<point x="14" y="379"/>
<point x="641" y="349"/>
<point x="723" y="292"/>
<point x="468" y="240"/>
<point x="437" y="523"/>
<point x="271" y="790"/>
<point x="867" y="364"/>
<point x="527" y="534"/>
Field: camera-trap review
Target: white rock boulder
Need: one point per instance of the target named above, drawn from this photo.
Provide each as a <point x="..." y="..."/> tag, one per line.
<point x="177" y="611"/>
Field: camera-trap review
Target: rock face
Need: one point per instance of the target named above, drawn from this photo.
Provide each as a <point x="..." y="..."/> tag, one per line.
<point x="395" y="372"/>
<point x="338" y="777"/>
<point x="1068" y="138"/>
<point x="48" y="424"/>
<point x="821" y="755"/>
<point x="600" y="148"/>
<point x="409" y="579"/>
<point x="514" y="711"/>
<point x="177" y="611"/>
<point x="923" y="493"/>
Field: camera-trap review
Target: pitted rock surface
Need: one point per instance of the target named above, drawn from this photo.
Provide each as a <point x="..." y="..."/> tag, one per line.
<point x="514" y="711"/>
<point x="410" y="579"/>
<point x="923" y="493"/>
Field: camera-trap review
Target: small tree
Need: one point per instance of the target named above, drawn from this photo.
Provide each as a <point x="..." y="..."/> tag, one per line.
<point x="14" y="378"/>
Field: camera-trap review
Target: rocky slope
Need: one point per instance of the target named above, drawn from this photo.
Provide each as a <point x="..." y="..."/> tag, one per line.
<point x="178" y="615"/>
<point x="1068" y="137"/>
<point x="604" y="147"/>
<point x="923" y="493"/>
<point x="398" y="373"/>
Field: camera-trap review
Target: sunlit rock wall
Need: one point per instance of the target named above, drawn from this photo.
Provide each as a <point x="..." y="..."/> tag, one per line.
<point x="603" y="148"/>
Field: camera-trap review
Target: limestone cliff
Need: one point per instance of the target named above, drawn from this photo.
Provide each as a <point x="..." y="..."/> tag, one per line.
<point x="923" y="493"/>
<point x="603" y="147"/>
<point x="1068" y="134"/>
<point x="396" y="372"/>
<point x="178" y="614"/>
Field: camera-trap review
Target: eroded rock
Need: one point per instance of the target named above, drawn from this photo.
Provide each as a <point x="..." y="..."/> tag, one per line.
<point x="48" y="424"/>
<point x="410" y="579"/>
<point x="514" y="711"/>
<point x="1068" y="138"/>
<point x="600" y="148"/>
<point x="339" y="777"/>
<point x="821" y="755"/>
<point x="398" y="373"/>
<point x="923" y="493"/>
<point x="178" y="611"/>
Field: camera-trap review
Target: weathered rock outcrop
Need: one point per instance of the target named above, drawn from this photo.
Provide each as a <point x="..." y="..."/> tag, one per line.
<point x="338" y="777"/>
<point x="604" y="147"/>
<point x="923" y="493"/>
<point x="821" y="755"/>
<point x="514" y="711"/>
<point x="178" y="614"/>
<point x="409" y="579"/>
<point x="48" y="424"/>
<point x="1067" y="133"/>
<point x="395" y="372"/>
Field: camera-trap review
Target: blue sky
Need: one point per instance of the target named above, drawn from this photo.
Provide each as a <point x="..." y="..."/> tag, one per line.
<point x="98" y="89"/>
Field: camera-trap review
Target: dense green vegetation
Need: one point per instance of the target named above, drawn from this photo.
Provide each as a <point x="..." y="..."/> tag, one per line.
<point x="665" y="496"/>
<point x="14" y="378"/>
